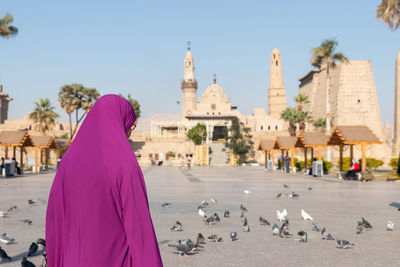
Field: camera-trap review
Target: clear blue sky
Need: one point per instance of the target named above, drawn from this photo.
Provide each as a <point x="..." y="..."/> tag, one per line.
<point x="138" y="47"/>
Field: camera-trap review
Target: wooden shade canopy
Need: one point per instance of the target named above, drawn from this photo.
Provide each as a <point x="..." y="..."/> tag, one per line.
<point x="268" y="147"/>
<point x="287" y="143"/>
<point x="15" y="139"/>
<point x="352" y="135"/>
<point x="312" y="140"/>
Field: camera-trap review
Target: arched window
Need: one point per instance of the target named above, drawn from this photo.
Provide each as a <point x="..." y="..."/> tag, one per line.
<point x="276" y="127"/>
<point x="276" y="62"/>
<point x="269" y="127"/>
<point x="262" y="127"/>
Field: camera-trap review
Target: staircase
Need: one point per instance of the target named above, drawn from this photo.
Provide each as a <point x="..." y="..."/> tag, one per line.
<point x="218" y="157"/>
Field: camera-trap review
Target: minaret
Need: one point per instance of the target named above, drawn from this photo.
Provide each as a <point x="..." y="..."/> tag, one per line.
<point x="189" y="86"/>
<point x="396" y="139"/>
<point x="276" y="90"/>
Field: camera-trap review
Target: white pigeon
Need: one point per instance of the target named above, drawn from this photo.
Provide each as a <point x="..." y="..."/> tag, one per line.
<point x="202" y="213"/>
<point x="3" y="214"/>
<point x="390" y="226"/>
<point x="306" y="216"/>
<point x="213" y="200"/>
<point x="281" y="215"/>
<point x="6" y="239"/>
<point x="246" y="191"/>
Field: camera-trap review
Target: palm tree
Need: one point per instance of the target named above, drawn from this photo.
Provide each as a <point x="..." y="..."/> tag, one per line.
<point x="301" y="99"/>
<point x="389" y="12"/>
<point x="320" y="123"/>
<point x="43" y="115"/>
<point x="290" y="115"/>
<point x="324" y="56"/>
<point x="74" y="97"/>
<point x="7" y="30"/>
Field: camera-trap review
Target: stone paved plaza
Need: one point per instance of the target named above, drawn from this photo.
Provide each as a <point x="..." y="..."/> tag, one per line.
<point x="332" y="203"/>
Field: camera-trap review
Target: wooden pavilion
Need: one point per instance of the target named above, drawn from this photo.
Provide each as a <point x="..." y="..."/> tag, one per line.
<point x="313" y="141"/>
<point x="15" y="139"/>
<point x="268" y="147"/>
<point x="44" y="143"/>
<point x="288" y="144"/>
<point x="351" y="136"/>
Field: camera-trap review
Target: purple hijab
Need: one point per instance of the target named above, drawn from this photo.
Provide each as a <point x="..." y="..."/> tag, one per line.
<point x="98" y="212"/>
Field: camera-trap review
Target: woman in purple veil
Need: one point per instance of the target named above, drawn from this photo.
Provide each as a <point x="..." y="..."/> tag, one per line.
<point x="98" y="212"/>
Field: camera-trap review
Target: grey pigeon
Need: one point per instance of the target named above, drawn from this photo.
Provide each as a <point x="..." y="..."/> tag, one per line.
<point x="233" y="236"/>
<point x="278" y="195"/>
<point x="216" y="217"/>
<point x="285" y="224"/>
<point x="246" y="226"/>
<point x="242" y="208"/>
<point x="285" y="186"/>
<point x="31" y="202"/>
<point x="184" y="248"/>
<point x="242" y="216"/>
<point x="366" y="224"/>
<point x="200" y="239"/>
<point x="210" y="220"/>
<point x="275" y="229"/>
<point x="33" y="248"/>
<point x="12" y="208"/>
<point x="41" y="241"/>
<point x="215" y="238"/>
<point x="284" y="234"/>
<point x="303" y="235"/>
<point x="177" y="227"/>
<point x="263" y="221"/>
<point x="4" y="238"/>
<point x="165" y="205"/>
<point x="345" y="244"/>
<point x="315" y="227"/>
<point x="226" y="214"/>
<point x="26" y="221"/>
<point x="360" y="228"/>
<point x="323" y="231"/>
<point x="26" y="263"/>
<point x="329" y="237"/>
<point x="310" y="188"/>
<point x="3" y="255"/>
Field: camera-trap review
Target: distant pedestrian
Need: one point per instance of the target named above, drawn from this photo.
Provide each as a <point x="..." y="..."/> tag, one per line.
<point x="398" y="167"/>
<point x="188" y="161"/>
<point x="287" y="164"/>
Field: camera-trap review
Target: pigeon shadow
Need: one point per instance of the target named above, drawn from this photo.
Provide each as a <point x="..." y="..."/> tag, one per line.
<point x="395" y="204"/>
<point x="19" y="257"/>
<point x="164" y="242"/>
<point x="344" y="247"/>
<point x="188" y="253"/>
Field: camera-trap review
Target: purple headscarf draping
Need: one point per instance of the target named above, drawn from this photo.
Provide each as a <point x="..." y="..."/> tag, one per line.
<point x="98" y="212"/>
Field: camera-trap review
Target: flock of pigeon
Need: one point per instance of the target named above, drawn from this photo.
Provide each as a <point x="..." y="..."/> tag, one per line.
<point x="188" y="247"/>
<point x="7" y="240"/>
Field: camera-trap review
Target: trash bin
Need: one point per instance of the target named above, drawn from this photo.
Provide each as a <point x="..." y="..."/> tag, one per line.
<point x="269" y="165"/>
<point x="317" y="168"/>
<point x="9" y="166"/>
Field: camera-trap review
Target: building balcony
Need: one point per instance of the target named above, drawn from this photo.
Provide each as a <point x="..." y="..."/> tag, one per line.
<point x="189" y="84"/>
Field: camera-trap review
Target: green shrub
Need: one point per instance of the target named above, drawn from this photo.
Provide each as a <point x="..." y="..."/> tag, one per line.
<point x="171" y="154"/>
<point x="373" y="163"/>
<point x="300" y="165"/>
<point x="326" y="165"/>
<point x="346" y="163"/>
<point x="393" y="163"/>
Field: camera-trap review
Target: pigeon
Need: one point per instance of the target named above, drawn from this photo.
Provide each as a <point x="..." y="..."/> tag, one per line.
<point x="284" y="234"/>
<point x="216" y="217"/>
<point x="246" y="191"/>
<point x="233" y="236"/>
<point x="12" y="208"/>
<point x="165" y="205"/>
<point x="323" y="231"/>
<point x="41" y="241"/>
<point x="263" y="221"/>
<point x="205" y="204"/>
<point x="178" y="102"/>
<point x="26" y="263"/>
<point x="200" y="239"/>
<point x="246" y="226"/>
<point x="202" y="213"/>
<point x="306" y="216"/>
<point x="345" y="244"/>
<point x="226" y="214"/>
<point x="275" y="229"/>
<point x="281" y="215"/>
<point x="215" y="238"/>
<point x="366" y="224"/>
<point x="278" y="195"/>
<point x="26" y="221"/>
<point x="310" y="188"/>
<point x="360" y="228"/>
<point x="303" y="235"/>
<point x="3" y="214"/>
<point x="44" y="262"/>
<point x="329" y="237"/>
<point x="31" y="202"/>
<point x="210" y="220"/>
<point x="184" y="248"/>
<point x="6" y="239"/>
<point x="213" y="200"/>
<point x="177" y="227"/>
<point x="390" y="226"/>
<point x="3" y="255"/>
<point x="33" y="248"/>
<point x="315" y="227"/>
<point x="285" y="225"/>
<point x="292" y="195"/>
<point x="242" y="208"/>
<point x="285" y="186"/>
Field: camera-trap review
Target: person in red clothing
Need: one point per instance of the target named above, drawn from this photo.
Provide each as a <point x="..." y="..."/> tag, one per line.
<point x="351" y="174"/>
